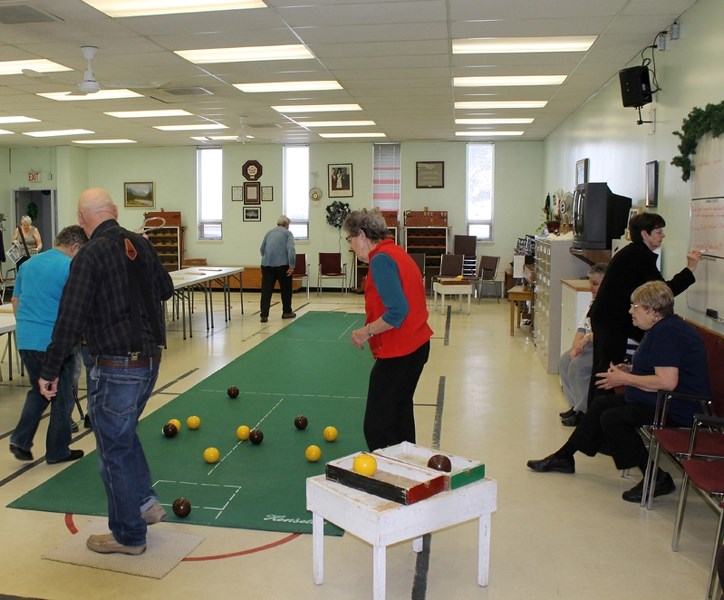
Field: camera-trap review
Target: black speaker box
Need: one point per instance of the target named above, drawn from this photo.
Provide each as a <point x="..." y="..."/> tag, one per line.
<point x="635" y="86"/>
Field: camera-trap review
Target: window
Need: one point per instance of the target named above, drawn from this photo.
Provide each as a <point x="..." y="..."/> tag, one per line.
<point x="296" y="190"/>
<point x="209" y="180"/>
<point x="479" y="201"/>
<point x="386" y="177"/>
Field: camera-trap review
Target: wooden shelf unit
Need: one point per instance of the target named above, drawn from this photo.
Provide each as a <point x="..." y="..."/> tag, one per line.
<point x="433" y="242"/>
<point x="168" y="240"/>
<point x="360" y="268"/>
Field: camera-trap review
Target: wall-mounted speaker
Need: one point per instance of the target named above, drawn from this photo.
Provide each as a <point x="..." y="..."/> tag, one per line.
<point x="635" y="86"/>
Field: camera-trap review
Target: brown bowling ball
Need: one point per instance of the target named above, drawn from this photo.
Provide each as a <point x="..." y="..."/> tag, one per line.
<point x="301" y="422"/>
<point x="440" y="462"/>
<point x="181" y="507"/>
<point x="256" y="436"/>
<point x="233" y="391"/>
<point x="169" y="430"/>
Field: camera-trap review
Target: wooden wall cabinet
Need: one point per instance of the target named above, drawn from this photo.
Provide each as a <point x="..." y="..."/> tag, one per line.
<point x="433" y="242"/>
<point x="168" y="240"/>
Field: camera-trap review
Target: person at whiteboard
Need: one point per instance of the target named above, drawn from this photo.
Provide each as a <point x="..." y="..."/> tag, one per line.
<point x="630" y="267"/>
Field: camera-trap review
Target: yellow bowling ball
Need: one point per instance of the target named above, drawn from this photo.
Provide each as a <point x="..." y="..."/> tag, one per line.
<point x="365" y="464"/>
<point x="193" y="422"/>
<point x="242" y="432"/>
<point x="211" y="455"/>
<point x="330" y="433"/>
<point x="313" y="453"/>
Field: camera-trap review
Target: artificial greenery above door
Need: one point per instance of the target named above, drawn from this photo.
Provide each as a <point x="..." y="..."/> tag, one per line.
<point x="699" y="122"/>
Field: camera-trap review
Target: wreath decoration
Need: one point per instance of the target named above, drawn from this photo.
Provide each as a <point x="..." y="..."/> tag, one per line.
<point x="699" y="122"/>
<point x="337" y="212"/>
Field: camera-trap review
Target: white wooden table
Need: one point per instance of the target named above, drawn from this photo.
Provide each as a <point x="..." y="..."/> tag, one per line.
<point x="7" y="327"/>
<point x="381" y="522"/>
<point x="453" y="287"/>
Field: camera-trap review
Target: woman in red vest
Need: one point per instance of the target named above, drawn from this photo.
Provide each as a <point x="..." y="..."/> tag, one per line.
<point x="395" y="328"/>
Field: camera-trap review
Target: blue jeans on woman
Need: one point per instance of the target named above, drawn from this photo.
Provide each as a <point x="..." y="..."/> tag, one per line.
<point x="116" y="400"/>
<point x="57" y="440"/>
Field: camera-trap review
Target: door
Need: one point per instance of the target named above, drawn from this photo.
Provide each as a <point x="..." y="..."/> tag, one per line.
<point x="39" y="205"/>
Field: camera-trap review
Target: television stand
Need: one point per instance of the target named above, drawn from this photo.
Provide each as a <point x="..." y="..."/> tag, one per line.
<point x="591" y="256"/>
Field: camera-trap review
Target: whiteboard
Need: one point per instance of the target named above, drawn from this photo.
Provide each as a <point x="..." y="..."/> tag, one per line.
<point x="707" y="228"/>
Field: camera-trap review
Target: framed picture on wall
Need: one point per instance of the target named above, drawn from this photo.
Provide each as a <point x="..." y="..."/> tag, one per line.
<point x="339" y="180"/>
<point x="252" y="192"/>
<point x="139" y="194"/>
<point x="252" y="213"/>
<point x="652" y="183"/>
<point x="631" y="214"/>
<point x="430" y="174"/>
<point x="582" y="171"/>
<point x="237" y="193"/>
<point x="267" y="193"/>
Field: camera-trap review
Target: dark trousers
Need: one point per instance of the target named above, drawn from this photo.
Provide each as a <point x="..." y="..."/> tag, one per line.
<point x="389" y="416"/>
<point x="612" y="422"/>
<point x="269" y="276"/>
<point x="609" y="346"/>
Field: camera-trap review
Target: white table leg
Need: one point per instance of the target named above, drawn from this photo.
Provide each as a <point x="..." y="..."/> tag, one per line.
<point x="379" y="572"/>
<point x="484" y="550"/>
<point x="417" y="545"/>
<point x="470" y="293"/>
<point x="318" y="548"/>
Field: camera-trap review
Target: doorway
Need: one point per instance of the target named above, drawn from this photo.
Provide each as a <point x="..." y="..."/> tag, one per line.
<point x="41" y="207"/>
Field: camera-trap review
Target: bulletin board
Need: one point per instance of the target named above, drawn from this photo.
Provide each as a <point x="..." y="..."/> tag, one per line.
<point x="707" y="229"/>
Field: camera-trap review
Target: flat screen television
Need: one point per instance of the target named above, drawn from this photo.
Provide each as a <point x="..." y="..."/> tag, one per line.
<point x="599" y="215"/>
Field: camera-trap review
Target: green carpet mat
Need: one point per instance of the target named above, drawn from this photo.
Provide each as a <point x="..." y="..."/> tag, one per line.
<point x="309" y="368"/>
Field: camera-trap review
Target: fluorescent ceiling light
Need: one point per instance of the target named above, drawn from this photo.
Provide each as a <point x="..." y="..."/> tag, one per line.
<point x="5" y="132"/>
<point x="519" y="45"/>
<point x="508" y="80"/>
<point x="246" y="54"/>
<point x="351" y="135"/>
<point x="336" y="123"/>
<point x="18" y="119"/>
<point x="487" y="133"/>
<point x="501" y="104"/>
<point x="190" y="127"/>
<point x="58" y="133"/>
<point x="41" y="65"/>
<point x="118" y="141"/>
<point x="513" y="121"/>
<point x="137" y="8"/>
<point x="141" y="114"/>
<point x="101" y="95"/>
<point x="288" y="86"/>
<point x="303" y="108"/>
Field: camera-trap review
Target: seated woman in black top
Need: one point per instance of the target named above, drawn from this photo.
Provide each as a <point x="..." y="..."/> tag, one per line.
<point x="671" y="356"/>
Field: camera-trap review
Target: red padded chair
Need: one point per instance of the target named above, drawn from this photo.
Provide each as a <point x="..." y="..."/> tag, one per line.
<point x="331" y="267"/>
<point x="301" y="270"/>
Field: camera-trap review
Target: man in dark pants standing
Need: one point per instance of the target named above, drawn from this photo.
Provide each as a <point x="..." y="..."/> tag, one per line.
<point x="278" y="258"/>
<point x="112" y="299"/>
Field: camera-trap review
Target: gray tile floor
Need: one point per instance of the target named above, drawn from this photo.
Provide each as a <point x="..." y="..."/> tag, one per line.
<point x="554" y="536"/>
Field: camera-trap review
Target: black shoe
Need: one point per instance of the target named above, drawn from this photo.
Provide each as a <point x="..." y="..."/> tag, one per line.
<point x="74" y="455"/>
<point x="21" y="454"/>
<point x="552" y="463"/>
<point x="568" y="413"/>
<point x="573" y="420"/>
<point x="264" y="319"/>
<point x="664" y="485"/>
<point x="290" y="315"/>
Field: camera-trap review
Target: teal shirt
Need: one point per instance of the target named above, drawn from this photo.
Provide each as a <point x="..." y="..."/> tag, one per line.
<point x="38" y="287"/>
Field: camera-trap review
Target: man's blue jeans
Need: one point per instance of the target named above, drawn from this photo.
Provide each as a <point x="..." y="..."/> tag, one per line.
<point x="57" y="440"/>
<point x="116" y="399"/>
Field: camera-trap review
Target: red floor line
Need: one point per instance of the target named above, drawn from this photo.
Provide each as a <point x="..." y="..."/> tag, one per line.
<point x="70" y="524"/>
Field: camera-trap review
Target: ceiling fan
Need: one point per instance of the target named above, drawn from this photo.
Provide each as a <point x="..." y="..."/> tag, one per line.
<point x="89" y="84"/>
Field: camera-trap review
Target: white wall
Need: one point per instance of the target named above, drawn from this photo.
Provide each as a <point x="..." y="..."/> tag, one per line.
<point x="690" y="74"/>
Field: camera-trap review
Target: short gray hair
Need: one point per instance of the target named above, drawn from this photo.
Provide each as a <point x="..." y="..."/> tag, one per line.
<point x="73" y="234"/>
<point x="283" y="221"/>
<point x="370" y="221"/>
<point x="26" y="220"/>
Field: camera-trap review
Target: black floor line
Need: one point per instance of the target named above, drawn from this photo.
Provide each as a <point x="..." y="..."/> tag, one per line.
<point x="422" y="564"/>
<point x="447" y="326"/>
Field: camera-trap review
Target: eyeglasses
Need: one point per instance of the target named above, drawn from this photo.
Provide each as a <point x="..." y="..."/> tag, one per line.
<point x="638" y="305"/>
<point x="351" y="237"/>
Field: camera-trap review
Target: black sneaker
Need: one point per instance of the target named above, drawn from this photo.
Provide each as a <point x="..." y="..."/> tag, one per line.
<point x="573" y="420"/>
<point x="291" y="315"/>
<point x="568" y="413"/>
<point x="74" y="455"/>
<point x="264" y="319"/>
<point x="21" y="454"/>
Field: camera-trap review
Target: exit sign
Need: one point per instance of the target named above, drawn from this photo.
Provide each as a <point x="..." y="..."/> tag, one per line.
<point x="33" y="176"/>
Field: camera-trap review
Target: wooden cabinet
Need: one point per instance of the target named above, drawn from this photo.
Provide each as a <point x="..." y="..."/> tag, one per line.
<point x="553" y="262"/>
<point x="169" y="239"/>
<point x="361" y="268"/>
<point x="433" y="242"/>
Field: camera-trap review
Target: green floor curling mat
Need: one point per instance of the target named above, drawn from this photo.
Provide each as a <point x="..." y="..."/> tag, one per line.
<point x="309" y="368"/>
